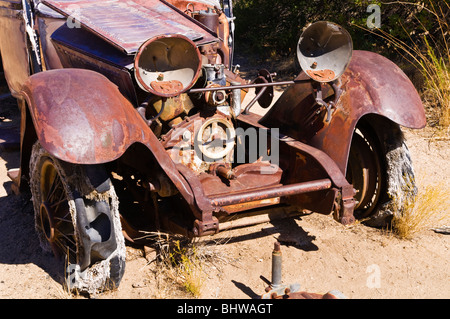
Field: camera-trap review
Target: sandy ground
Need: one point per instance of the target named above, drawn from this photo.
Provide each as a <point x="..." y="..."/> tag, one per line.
<point x="318" y="253"/>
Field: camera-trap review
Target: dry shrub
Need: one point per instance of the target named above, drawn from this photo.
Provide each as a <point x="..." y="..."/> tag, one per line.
<point x="188" y="268"/>
<point x="180" y="264"/>
<point x="177" y="266"/>
<point x="430" y="207"/>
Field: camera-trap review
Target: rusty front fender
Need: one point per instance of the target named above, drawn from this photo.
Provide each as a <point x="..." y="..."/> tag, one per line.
<point x="80" y="117"/>
<point x="375" y="85"/>
<point x="372" y="84"/>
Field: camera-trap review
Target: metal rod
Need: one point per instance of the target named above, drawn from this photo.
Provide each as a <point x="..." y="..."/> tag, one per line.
<point x="242" y="86"/>
<point x="265" y="217"/>
<point x="256" y="98"/>
<point x="273" y="192"/>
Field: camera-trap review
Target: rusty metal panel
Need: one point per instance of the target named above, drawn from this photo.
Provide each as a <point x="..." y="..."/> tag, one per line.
<point x="46" y="27"/>
<point x="375" y="84"/>
<point x="13" y="45"/>
<point x="128" y="24"/>
<point x="81" y="117"/>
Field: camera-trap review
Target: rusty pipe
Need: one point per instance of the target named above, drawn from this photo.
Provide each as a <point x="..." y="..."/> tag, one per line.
<point x="255" y="99"/>
<point x="272" y="192"/>
<point x="244" y="86"/>
<point x="258" y="95"/>
<point x="265" y="216"/>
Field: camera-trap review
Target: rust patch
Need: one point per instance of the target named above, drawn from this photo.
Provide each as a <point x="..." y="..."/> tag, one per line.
<point x="167" y="87"/>
<point x="322" y="75"/>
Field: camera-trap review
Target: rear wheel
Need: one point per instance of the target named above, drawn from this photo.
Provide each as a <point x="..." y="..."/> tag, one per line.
<point x="380" y="169"/>
<point x="77" y="218"/>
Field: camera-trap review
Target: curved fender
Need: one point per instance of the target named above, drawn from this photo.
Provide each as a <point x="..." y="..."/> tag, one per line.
<point x="81" y="117"/>
<point x="372" y="84"/>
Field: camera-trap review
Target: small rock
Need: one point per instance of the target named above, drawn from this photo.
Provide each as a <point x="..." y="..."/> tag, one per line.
<point x="139" y="285"/>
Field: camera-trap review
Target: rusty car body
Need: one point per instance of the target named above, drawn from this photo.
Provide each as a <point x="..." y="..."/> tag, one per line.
<point x="132" y="121"/>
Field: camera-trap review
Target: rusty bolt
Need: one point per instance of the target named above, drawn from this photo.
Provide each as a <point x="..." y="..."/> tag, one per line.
<point x="220" y="96"/>
<point x="277" y="246"/>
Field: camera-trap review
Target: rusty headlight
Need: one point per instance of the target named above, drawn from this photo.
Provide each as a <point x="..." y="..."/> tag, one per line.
<point x="167" y="65"/>
<point x="324" y="51"/>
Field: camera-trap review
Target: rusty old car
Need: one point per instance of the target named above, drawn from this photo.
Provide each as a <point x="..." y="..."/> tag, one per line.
<point x="133" y="120"/>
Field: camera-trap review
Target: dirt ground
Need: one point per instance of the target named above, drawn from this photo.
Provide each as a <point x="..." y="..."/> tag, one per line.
<point x="318" y="253"/>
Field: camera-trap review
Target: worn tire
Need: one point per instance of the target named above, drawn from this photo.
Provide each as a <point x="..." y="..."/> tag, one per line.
<point x="389" y="156"/>
<point x="76" y="217"/>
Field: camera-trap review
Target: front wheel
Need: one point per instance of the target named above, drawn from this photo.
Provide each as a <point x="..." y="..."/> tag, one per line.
<point x="77" y="218"/>
<point x="381" y="171"/>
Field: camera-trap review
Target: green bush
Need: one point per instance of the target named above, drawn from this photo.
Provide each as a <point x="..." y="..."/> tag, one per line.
<point x="272" y="28"/>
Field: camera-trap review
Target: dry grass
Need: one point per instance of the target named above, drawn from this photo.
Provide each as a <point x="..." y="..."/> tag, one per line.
<point x="177" y="267"/>
<point x="184" y="258"/>
<point x="437" y="82"/>
<point x="428" y="209"/>
<point x="180" y="264"/>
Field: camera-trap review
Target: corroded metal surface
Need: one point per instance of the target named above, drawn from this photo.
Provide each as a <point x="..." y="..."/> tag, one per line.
<point x="323" y="75"/>
<point x="128" y="24"/>
<point x="146" y="89"/>
<point x="307" y="164"/>
<point x="167" y="65"/>
<point x="81" y="117"/>
<point x="13" y="45"/>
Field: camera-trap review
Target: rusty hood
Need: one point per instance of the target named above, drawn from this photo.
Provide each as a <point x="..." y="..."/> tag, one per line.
<point x="127" y="24"/>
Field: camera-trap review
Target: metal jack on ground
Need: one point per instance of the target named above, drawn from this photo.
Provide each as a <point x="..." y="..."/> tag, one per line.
<point x="278" y="290"/>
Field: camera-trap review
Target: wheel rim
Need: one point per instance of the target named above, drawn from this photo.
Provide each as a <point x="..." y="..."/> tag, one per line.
<point x="55" y="217"/>
<point x="365" y="173"/>
<point x="83" y="232"/>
